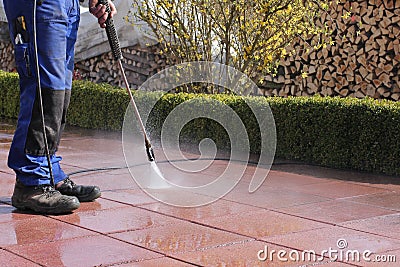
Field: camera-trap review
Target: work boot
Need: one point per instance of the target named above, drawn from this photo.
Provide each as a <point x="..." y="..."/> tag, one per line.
<point x="43" y="199"/>
<point x="84" y="193"/>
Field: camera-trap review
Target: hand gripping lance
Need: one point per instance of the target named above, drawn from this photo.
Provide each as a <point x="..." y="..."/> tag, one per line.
<point x="116" y="51"/>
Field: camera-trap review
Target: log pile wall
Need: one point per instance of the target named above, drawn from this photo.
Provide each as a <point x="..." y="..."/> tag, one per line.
<point x="363" y="61"/>
<point x="139" y="63"/>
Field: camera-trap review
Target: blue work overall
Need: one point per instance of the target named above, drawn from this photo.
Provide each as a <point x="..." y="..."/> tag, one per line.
<point x="57" y="25"/>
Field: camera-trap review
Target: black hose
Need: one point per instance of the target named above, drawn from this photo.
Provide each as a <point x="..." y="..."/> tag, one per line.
<point x="163" y="161"/>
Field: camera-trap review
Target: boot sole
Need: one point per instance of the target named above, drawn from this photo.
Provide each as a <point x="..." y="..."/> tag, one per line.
<point x="41" y="210"/>
<point x="88" y="198"/>
<point x="96" y="193"/>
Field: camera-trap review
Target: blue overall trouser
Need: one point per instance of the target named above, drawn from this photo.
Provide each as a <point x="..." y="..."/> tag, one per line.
<point x="57" y="26"/>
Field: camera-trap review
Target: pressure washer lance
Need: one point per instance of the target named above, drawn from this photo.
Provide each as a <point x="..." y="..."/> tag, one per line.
<point x="116" y="51"/>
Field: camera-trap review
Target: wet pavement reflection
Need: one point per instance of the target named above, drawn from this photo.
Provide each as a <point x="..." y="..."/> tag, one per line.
<point x="298" y="208"/>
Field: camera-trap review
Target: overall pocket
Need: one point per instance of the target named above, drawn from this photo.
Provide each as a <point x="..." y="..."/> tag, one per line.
<point x="22" y="60"/>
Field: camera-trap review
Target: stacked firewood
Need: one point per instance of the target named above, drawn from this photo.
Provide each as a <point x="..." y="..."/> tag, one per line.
<point x="362" y="59"/>
<point x="7" y="62"/>
<point x="139" y="63"/>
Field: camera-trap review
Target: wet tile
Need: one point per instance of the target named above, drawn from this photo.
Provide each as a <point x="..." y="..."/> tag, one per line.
<point x="336" y="238"/>
<point x="368" y="203"/>
<point x="85" y="251"/>
<point x="192" y="174"/>
<point x="164" y="261"/>
<point x="361" y="178"/>
<point x="91" y="159"/>
<point x="132" y="196"/>
<point x="263" y="223"/>
<point x="74" y="132"/>
<point x="336" y="211"/>
<point x="11" y="260"/>
<point x="116" y="220"/>
<point x="251" y="253"/>
<point x="391" y="186"/>
<point x="202" y="214"/>
<point x="180" y="237"/>
<point x="388" y="258"/>
<point x="106" y="180"/>
<point x="388" y="225"/>
<point x="99" y="204"/>
<point x="390" y="200"/>
<point x="4" y="168"/>
<point x="9" y="214"/>
<point x="285" y="180"/>
<point x="269" y="197"/>
<point x="37" y="230"/>
<point x="183" y="176"/>
<point x="105" y="146"/>
<point x="339" y="189"/>
<point x="7" y="182"/>
<point x="181" y="198"/>
<point x="329" y="263"/>
<point x="69" y="169"/>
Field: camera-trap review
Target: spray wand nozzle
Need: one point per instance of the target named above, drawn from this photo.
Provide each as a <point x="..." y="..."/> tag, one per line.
<point x="149" y="151"/>
<point x="116" y="51"/>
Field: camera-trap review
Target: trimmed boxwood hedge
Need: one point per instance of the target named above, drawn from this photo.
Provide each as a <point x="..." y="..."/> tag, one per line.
<point x="359" y="134"/>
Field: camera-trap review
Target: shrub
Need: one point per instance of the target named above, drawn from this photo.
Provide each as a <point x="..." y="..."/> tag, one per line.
<point x="335" y="132"/>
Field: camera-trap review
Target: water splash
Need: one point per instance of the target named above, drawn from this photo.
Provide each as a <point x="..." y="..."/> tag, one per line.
<point x="156" y="178"/>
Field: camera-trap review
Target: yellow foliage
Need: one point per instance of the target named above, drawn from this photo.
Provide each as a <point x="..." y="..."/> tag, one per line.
<point x="250" y="36"/>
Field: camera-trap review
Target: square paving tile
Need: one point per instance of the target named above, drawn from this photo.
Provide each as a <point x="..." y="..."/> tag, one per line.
<point x="129" y="196"/>
<point x="7" y="182"/>
<point x="106" y="180"/>
<point x="392" y="185"/>
<point x="180" y="237"/>
<point x="97" y="205"/>
<point x="109" y="146"/>
<point x="387" y="225"/>
<point x="188" y="173"/>
<point x="202" y="214"/>
<point x="336" y="238"/>
<point x="250" y="253"/>
<point x="329" y="263"/>
<point x="4" y="148"/>
<point x="86" y="251"/>
<point x="388" y="258"/>
<point x="90" y="159"/>
<point x="164" y="261"/>
<point x="263" y="223"/>
<point x="389" y="200"/>
<point x="364" y="209"/>
<point x="38" y="229"/>
<point x="271" y="198"/>
<point x="342" y="189"/>
<point x="9" y="214"/>
<point x="337" y="211"/>
<point x="285" y="180"/>
<point x="11" y="260"/>
<point x="117" y="220"/>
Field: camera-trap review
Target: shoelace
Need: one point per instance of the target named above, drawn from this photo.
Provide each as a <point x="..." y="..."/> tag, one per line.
<point x="48" y="190"/>
<point x="69" y="182"/>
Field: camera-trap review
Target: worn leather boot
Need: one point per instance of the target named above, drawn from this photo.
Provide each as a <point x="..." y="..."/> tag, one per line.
<point x="84" y="193"/>
<point x="42" y="199"/>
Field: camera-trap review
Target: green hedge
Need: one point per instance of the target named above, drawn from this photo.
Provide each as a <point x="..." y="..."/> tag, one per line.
<point x="335" y="132"/>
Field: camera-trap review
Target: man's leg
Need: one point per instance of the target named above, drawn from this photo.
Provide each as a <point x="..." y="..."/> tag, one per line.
<point x="65" y="185"/>
<point x="27" y="153"/>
